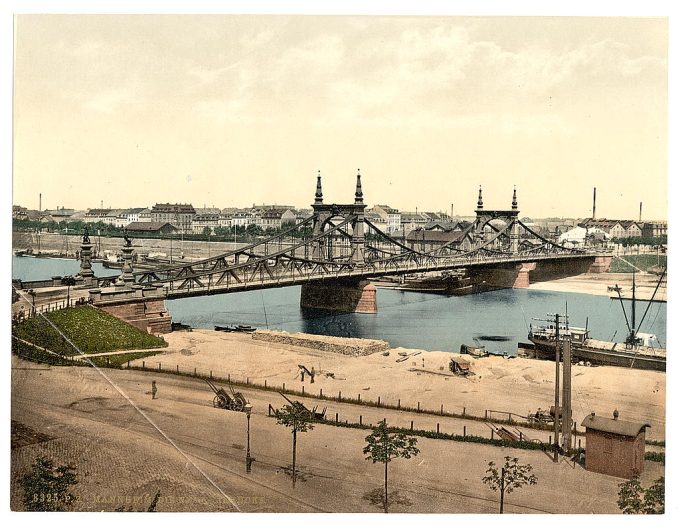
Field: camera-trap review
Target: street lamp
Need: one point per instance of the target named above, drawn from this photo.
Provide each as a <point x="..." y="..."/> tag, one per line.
<point x="31" y="292"/>
<point x="249" y="408"/>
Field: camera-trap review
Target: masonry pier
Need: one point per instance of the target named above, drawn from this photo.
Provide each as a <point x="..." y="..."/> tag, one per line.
<point x="341" y="295"/>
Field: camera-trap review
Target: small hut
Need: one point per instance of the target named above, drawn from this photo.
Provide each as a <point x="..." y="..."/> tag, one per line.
<point x="614" y="447"/>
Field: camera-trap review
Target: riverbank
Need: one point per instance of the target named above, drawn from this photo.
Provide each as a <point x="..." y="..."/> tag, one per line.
<point x="599" y="284"/>
<point x="511" y="385"/>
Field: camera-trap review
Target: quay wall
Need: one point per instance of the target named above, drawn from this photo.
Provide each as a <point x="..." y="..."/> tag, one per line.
<point x="345" y="346"/>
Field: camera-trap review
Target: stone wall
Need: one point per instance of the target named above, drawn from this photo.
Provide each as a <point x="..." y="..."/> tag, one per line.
<point x="140" y="306"/>
<point x="346" y="346"/>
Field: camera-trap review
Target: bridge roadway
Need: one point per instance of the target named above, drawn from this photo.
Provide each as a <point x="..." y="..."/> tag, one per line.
<point x="369" y="270"/>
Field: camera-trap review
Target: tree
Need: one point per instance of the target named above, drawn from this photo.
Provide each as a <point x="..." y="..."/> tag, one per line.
<point x="47" y="488"/>
<point x="207" y="231"/>
<point x="511" y="476"/>
<point x="635" y="499"/>
<point x="298" y="419"/>
<point x="69" y="281"/>
<point x="383" y="446"/>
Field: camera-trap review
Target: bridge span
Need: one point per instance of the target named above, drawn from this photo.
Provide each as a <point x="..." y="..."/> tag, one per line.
<point x="336" y="251"/>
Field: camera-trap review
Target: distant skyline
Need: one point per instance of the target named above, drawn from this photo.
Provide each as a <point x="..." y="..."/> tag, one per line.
<point x="236" y="110"/>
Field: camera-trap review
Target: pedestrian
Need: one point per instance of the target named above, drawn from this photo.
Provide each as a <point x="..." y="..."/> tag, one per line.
<point x="154" y="389"/>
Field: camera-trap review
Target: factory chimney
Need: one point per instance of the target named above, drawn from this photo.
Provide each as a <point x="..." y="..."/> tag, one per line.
<point x="640" y="218"/>
<point x="594" y="198"/>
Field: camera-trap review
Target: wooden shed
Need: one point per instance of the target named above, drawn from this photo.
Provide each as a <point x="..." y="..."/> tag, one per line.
<point x="614" y="447"/>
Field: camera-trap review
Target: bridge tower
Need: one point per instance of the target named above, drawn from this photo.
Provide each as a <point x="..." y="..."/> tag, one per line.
<point x="324" y="213"/>
<point x="344" y="295"/>
<point x="508" y="216"/>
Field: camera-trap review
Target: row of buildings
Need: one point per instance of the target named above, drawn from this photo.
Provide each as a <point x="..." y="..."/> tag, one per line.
<point x="184" y="218"/>
<point x="623" y="229"/>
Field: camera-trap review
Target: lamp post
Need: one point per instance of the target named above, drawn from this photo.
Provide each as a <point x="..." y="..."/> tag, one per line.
<point x="249" y="409"/>
<point x="31" y="292"/>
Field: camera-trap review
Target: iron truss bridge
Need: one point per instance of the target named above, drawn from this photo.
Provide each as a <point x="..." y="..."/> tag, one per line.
<point x="338" y="242"/>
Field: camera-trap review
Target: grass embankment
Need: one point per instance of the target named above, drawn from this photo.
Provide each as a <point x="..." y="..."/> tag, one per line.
<point x="643" y="262"/>
<point x="90" y="329"/>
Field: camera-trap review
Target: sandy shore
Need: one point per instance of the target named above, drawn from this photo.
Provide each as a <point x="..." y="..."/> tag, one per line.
<point x="597" y="285"/>
<point x="511" y="385"/>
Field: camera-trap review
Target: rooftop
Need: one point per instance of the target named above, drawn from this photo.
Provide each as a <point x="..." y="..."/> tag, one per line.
<point x="614" y="425"/>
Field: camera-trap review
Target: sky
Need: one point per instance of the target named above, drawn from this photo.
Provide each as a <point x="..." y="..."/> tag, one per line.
<point x="235" y="110"/>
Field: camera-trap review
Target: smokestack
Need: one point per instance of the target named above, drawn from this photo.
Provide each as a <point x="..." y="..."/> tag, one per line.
<point x="640" y="219"/>
<point x="594" y="198"/>
<point x="40" y="202"/>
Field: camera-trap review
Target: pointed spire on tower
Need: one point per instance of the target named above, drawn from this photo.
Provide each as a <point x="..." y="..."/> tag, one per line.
<point x="318" y="196"/>
<point x="514" y="197"/>
<point x="358" y="194"/>
<point x="480" y="202"/>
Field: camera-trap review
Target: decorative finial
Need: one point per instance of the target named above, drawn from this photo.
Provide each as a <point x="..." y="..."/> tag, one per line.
<point x="318" y="196"/>
<point x="358" y="194"/>
<point x="480" y="202"/>
<point x="514" y="197"/>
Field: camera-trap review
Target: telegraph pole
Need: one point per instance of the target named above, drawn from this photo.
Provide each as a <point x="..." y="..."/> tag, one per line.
<point x="566" y="395"/>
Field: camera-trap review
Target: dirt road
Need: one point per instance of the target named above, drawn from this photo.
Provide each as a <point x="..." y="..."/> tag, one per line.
<point x="126" y="449"/>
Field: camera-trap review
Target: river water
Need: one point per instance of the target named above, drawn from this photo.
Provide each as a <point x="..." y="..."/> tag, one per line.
<point x="498" y="319"/>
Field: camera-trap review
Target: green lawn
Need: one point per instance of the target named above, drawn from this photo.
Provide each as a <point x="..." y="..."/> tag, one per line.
<point x="90" y="329"/>
<point x="643" y="262"/>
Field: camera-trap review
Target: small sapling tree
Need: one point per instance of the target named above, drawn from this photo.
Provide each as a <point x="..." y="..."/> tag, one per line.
<point x="635" y="499"/>
<point x="383" y="446"/>
<point x="298" y="419"/>
<point x="511" y="476"/>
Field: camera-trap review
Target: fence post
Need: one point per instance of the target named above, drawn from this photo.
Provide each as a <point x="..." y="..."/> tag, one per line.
<point x="339" y="395"/>
<point x="211" y="373"/>
<point x="378" y="400"/>
<point x="486" y="414"/>
<point x="491" y="434"/>
<point x="464" y="431"/>
<point x="361" y="420"/>
<point x="437" y="427"/>
<point x="441" y="411"/>
<point x="550" y="439"/>
<point x="359" y="397"/>
<point x="247" y="381"/>
<point x="320" y="392"/>
<point x="143" y="366"/>
<point x="178" y="369"/>
<point x="265" y="383"/>
<point x="159" y="366"/>
<point x="418" y="406"/>
<point x="284" y="386"/>
<point x="399" y="404"/>
<point x="463" y="411"/>
<point x="509" y="417"/>
<point x="228" y="377"/>
<point x="579" y="444"/>
<point x="303" y="390"/>
<point x="194" y="371"/>
<point x="411" y="425"/>
<point x="128" y="363"/>
<point x="336" y="420"/>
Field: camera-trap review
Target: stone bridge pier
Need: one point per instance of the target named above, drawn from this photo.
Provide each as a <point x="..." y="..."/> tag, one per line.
<point x="340" y="295"/>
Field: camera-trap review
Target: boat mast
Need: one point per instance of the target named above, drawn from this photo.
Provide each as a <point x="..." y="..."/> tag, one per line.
<point x="632" y="315"/>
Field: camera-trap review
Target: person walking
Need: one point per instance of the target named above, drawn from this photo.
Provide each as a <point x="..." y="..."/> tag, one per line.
<point x="154" y="389"/>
